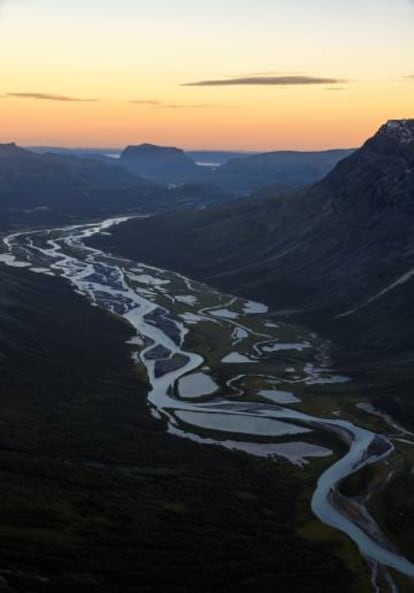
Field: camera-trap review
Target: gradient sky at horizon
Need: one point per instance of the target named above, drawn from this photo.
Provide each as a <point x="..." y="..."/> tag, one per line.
<point x="103" y="73"/>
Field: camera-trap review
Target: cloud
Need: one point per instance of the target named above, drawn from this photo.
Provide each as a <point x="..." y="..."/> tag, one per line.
<point x="268" y="81"/>
<point x="161" y="105"/>
<point x="50" y="97"/>
<point x="150" y="102"/>
<point x="175" y="106"/>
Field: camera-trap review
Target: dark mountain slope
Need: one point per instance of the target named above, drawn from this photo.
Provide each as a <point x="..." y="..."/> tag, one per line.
<point x="333" y="248"/>
<point x="97" y="497"/>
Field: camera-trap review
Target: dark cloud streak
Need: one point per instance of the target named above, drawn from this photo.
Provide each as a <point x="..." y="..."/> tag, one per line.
<point x="50" y="97"/>
<point x="268" y="81"/>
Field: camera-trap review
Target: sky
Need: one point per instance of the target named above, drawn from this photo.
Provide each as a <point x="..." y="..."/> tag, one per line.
<point x="233" y="74"/>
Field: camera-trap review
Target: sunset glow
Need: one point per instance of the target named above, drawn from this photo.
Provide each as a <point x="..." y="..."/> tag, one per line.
<point x="256" y="75"/>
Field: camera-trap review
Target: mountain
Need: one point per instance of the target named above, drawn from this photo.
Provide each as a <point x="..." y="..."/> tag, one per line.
<point x="50" y="189"/>
<point x="19" y="164"/>
<point x="292" y="169"/>
<point x="241" y="174"/>
<point x="160" y="163"/>
<point x="106" y="155"/>
<point x="338" y="256"/>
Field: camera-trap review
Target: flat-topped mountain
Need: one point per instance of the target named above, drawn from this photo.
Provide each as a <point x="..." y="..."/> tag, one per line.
<point x="161" y="163"/>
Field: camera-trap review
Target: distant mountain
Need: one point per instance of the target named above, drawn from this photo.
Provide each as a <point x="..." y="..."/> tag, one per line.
<point x="160" y="163"/>
<point x="239" y="173"/>
<point x="339" y="255"/>
<point x="49" y="189"/>
<point x="45" y="188"/>
<point x="217" y="157"/>
<point x="107" y="155"/>
<point x="292" y="169"/>
<point x="242" y="174"/>
<point x="19" y="164"/>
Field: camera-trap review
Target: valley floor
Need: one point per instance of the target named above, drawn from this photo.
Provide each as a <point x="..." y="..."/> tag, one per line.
<point x="140" y="493"/>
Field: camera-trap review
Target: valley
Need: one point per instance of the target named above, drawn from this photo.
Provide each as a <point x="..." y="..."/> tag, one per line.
<point x="223" y="371"/>
<point x="206" y="297"/>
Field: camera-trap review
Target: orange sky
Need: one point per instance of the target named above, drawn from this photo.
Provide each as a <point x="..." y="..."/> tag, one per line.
<point x="307" y="78"/>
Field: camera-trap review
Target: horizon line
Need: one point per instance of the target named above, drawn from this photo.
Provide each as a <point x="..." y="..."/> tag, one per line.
<point x="185" y="149"/>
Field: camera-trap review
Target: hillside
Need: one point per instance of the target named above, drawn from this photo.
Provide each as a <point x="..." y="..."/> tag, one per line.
<point x="292" y="169"/>
<point x="96" y="496"/>
<point x="51" y="188"/>
<point x="338" y="255"/>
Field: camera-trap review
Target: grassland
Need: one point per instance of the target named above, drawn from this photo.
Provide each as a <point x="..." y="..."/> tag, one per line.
<point x="95" y="496"/>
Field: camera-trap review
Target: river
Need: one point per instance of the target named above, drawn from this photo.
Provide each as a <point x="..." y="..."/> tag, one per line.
<point x="164" y="308"/>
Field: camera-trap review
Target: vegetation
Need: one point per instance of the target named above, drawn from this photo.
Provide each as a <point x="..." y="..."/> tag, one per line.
<point x="96" y="496"/>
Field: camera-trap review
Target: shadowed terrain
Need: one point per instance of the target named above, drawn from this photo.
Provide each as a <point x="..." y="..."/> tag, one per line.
<point x="97" y="497"/>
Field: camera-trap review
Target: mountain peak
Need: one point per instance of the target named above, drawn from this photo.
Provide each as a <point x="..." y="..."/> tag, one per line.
<point x="11" y="149"/>
<point x="401" y="130"/>
<point x="147" y="148"/>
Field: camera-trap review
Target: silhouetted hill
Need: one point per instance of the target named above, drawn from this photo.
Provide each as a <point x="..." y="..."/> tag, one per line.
<point x="238" y="173"/>
<point x="18" y="165"/>
<point x="291" y="169"/>
<point x="99" y="154"/>
<point x="47" y="188"/>
<point x="50" y="189"/>
<point x="160" y="163"/>
<point x="243" y="174"/>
